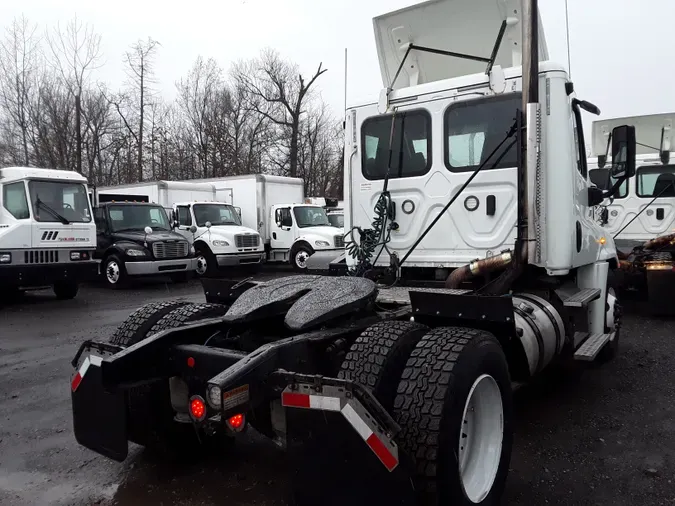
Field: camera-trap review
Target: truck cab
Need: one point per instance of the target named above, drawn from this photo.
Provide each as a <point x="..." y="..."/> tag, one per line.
<point x="47" y="235"/>
<point x="136" y="239"/>
<point x="297" y="231"/>
<point x="643" y="209"/>
<point x="216" y="232"/>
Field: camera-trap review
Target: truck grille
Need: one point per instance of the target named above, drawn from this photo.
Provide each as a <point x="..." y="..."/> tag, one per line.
<point x="170" y="249"/>
<point x="41" y="257"/>
<point x="247" y="241"/>
<point x="339" y="241"/>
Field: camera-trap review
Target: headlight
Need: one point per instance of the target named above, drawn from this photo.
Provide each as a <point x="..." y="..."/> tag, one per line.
<point x="74" y="255"/>
<point x="5" y="258"/>
<point x="221" y="243"/>
<point x="321" y="243"/>
<point x="135" y="252"/>
<point x="213" y="394"/>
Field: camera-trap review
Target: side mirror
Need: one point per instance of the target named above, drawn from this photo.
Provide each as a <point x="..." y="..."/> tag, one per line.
<point x="623" y="152"/>
<point x="147" y="230"/>
<point x="193" y="229"/>
<point x="208" y="224"/>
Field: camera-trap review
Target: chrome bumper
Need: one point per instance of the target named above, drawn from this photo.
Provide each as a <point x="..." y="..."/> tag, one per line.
<point x="160" y="266"/>
<point x="240" y="259"/>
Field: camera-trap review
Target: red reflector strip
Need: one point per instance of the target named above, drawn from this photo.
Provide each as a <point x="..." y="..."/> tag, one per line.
<point x="385" y="456"/>
<point x="76" y="381"/>
<point x="293" y="400"/>
<point x="90" y="360"/>
<point x="296" y="400"/>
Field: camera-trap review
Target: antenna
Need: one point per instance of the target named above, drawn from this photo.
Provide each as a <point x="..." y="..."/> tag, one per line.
<point x="567" y="28"/>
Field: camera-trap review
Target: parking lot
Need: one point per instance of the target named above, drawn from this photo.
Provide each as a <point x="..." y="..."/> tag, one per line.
<point x="606" y="437"/>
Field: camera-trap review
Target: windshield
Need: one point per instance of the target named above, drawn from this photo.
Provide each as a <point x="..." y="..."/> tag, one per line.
<point x="337" y="220"/>
<point x="67" y="200"/>
<point x="217" y="214"/>
<point x="136" y="218"/>
<point x="656" y="180"/>
<point x="311" y="216"/>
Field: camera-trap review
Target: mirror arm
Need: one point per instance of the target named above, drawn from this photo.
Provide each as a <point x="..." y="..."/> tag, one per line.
<point x="614" y="188"/>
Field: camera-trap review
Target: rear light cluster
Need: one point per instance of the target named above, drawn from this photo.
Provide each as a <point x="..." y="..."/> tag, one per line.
<point x="76" y="256"/>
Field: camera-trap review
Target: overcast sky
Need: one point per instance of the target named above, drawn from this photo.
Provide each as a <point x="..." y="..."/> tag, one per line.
<point x="620" y="53"/>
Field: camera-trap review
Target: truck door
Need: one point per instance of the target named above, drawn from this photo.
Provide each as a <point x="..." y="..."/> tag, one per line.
<point x="281" y="228"/>
<point x="184" y="218"/>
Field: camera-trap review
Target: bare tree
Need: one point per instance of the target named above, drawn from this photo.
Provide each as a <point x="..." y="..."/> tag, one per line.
<point x="19" y="60"/>
<point x="140" y="71"/>
<point x="284" y="91"/>
<point x="77" y="52"/>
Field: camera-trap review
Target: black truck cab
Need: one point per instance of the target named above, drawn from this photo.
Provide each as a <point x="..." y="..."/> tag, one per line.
<point x="136" y="239"/>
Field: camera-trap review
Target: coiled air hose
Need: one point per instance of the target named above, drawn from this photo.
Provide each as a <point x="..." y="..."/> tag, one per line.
<point x="369" y="240"/>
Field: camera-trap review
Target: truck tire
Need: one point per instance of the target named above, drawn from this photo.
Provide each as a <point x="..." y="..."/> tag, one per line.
<point x="455" y="392"/>
<point x="137" y="325"/>
<point x="611" y="349"/>
<point x="65" y="290"/>
<point x="299" y="255"/>
<point x="114" y="272"/>
<point x="207" y="264"/>
<point x="378" y="356"/>
<point x="185" y="314"/>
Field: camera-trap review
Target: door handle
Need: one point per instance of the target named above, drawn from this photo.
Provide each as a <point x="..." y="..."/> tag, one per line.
<point x="659" y="213"/>
<point x="490" y="205"/>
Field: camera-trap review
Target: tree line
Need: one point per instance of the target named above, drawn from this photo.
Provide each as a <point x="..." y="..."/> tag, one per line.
<point x="259" y="116"/>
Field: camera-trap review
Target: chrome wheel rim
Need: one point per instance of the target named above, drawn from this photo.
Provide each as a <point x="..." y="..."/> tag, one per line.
<point x="112" y="272"/>
<point x="202" y="265"/>
<point x="301" y="259"/>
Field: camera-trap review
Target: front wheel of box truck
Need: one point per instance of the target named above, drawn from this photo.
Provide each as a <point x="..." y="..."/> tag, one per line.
<point x="454" y="406"/>
<point x="114" y="272"/>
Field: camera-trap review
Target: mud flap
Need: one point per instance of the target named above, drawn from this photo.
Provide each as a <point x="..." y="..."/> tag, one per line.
<point x="333" y="462"/>
<point x="99" y="416"/>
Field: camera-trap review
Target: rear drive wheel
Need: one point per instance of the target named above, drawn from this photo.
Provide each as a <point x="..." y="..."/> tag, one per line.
<point x="137" y="325"/>
<point x="65" y="290"/>
<point x="299" y="256"/>
<point x="454" y="405"/>
<point x="378" y="356"/>
<point x="114" y="273"/>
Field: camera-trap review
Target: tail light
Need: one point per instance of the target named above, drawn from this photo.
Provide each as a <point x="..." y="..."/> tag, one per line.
<point x="237" y="422"/>
<point x="197" y="408"/>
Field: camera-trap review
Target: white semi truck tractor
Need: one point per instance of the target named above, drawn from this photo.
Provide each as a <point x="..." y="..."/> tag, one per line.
<point x="47" y="231"/>
<point x="474" y="264"/>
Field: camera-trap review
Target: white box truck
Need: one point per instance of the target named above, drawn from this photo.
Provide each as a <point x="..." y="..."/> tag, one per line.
<point x="291" y="230"/>
<point x="47" y="232"/>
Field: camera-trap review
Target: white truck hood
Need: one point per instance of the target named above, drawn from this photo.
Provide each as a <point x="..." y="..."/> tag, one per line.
<point x="230" y="230"/>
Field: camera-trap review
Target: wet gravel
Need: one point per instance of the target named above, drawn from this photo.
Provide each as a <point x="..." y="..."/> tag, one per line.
<point x="605" y="436"/>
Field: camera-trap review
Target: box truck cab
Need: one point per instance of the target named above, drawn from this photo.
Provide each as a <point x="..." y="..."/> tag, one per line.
<point x="216" y="232"/>
<point x="47" y="234"/>
<point x="135" y="239"/>
<point x="297" y="231"/>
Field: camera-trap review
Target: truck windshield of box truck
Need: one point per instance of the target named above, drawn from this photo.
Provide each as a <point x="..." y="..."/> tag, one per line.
<point x="216" y="214"/>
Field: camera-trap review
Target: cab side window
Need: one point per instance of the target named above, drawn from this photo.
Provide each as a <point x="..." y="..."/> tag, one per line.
<point x="99" y="219"/>
<point x="184" y="217"/>
<point x="15" y="201"/>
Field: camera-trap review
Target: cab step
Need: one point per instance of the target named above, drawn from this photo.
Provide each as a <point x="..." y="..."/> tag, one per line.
<point x="592" y="346"/>
<point x="582" y="298"/>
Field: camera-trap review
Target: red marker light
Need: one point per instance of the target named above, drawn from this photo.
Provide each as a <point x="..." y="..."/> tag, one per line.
<point x="191" y="362"/>
<point x="236" y="422"/>
<point x="197" y="408"/>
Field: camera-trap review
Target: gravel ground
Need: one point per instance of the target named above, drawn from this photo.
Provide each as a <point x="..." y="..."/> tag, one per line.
<point x="605" y="437"/>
